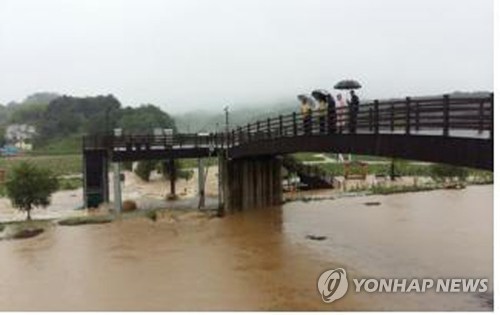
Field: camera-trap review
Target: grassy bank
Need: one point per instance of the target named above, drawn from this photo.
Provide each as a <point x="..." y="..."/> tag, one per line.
<point x="403" y="169"/>
<point x="23" y="229"/>
<point x="59" y="164"/>
<point x="308" y="157"/>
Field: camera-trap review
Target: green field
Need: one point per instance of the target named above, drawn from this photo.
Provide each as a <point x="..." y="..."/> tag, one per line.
<point x="59" y="164"/>
<point x="308" y="157"/>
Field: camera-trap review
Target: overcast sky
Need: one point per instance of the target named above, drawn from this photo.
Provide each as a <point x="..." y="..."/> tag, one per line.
<point x="191" y="54"/>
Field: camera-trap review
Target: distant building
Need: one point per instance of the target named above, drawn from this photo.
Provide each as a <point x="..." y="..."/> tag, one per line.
<point x="20" y="135"/>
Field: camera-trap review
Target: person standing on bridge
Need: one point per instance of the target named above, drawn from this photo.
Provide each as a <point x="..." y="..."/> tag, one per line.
<point x="306" y="111"/>
<point x="341" y="109"/>
<point x="321" y="97"/>
<point x="321" y="109"/>
<point x="353" y="111"/>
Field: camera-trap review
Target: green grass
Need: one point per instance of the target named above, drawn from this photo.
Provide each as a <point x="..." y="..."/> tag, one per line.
<point x="193" y="163"/>
<point x="356" y="157"/>
<point x="307" y="157"/>
<point x="403" y="168"/>
<point x="389" y="190"/>
<point x="70" y="183"/>
<point x="24" y="229"/>
<point x="59" y="164"/>
<point x="62" y="146"/>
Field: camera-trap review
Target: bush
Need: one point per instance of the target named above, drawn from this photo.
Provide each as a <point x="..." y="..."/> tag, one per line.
<point x="445" y="172"/>
<point x="30" y="186"/>
<point x="128" y="165"/>
<point x="185" y="174"/>
<point x="144" y="169"/>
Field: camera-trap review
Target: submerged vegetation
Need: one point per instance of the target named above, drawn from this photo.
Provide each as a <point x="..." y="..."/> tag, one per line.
<point x="86" y="220"/>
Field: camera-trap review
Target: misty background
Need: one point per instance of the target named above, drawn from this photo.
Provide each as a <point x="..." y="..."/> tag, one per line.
<point x="194" y="57"/>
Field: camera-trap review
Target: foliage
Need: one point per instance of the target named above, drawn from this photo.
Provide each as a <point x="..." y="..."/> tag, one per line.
<point x="193" y="163"/>
<point x="69" y="115"/>
<point x="180" y="171"/>
<point x="60" y="121"/>
<point x="403" y="169"/>
<point x="144" y="169"/>
<point x="127" y="165"/>
<point x="69" y="183"/>
<point x="445" y="172"/>
<point x="70" y="144"/>
<point x="2" y="136"/>
<point x="40" y="98"/>
<point x="144" y="119"/>
<point x="60" y="165"/>
<point x="186" y="174"/>
<point x="30" y="186"/>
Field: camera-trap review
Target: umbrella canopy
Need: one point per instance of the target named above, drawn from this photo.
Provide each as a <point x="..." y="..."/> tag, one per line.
<point x="347" y="85"/>
<point x="305" y="99"/>
<point x="320" y="95"/>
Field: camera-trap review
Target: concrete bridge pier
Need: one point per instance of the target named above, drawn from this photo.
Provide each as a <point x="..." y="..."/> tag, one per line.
<point x="117" y="185"/>
<point x="95" y="177"/>
<point x="169" y="166"/>
<point x="252" y="183"/>
<point x="201" y="183"/>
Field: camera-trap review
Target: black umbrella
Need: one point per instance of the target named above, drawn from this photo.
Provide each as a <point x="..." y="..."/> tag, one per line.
<point x="347" y="85"/>
<point x="320" y="95"/>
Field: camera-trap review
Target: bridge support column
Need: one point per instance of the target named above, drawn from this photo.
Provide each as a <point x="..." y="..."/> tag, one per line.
<point x="173" y="177"/>
<point x="252" y="183"/>
<point x="95" y="178"/>
<point x="201" y="183"/>
<point x="117" y="187"/>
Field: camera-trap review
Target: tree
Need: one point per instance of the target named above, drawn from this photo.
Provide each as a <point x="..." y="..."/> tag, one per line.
<point x="144" y="119"/>
<point x="30" y="186"/>
<point x="2" y="136"/>
<point x="144" y="169"/>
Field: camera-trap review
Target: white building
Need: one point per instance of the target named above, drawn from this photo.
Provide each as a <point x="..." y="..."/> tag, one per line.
<point x="20" y="135"/>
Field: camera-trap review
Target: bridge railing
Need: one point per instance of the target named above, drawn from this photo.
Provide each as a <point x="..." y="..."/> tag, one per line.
<point x="466" y="117"/>
<point x="149" y="141"/>
<point x="445" y="116"/>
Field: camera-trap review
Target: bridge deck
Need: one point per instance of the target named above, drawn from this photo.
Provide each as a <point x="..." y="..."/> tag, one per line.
<point x="449" y="130"/>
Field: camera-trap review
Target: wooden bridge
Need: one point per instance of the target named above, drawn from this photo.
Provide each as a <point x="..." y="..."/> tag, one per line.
<point x="457" y="131"/>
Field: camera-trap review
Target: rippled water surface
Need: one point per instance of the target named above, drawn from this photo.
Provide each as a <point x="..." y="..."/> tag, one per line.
<point x="260" y="259"/>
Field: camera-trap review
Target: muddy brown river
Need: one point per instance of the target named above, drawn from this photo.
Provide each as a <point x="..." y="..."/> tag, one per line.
<point x="260" y="259"/>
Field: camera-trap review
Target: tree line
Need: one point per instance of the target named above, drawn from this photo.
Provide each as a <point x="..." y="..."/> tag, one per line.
<point x="57" y="117"/>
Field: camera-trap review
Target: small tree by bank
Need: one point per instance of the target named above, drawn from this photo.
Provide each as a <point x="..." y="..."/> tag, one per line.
<point x="29" y="186"/>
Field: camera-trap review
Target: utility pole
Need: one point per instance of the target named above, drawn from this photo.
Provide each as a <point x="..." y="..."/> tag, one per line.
<point x="226" y="110"/>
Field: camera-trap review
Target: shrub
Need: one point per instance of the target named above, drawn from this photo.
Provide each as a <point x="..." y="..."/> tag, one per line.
<point x="445" y="172"/>
<point x="144" y="169"/>
<point x="30" y="186"/>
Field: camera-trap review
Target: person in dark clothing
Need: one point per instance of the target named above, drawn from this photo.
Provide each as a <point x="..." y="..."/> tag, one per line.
<point x="306" y="112"/>
<point x="353" y="111"/>
<point x="332" y="114"/>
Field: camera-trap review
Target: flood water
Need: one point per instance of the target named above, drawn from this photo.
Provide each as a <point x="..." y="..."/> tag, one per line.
<point x="260" y="259"/>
